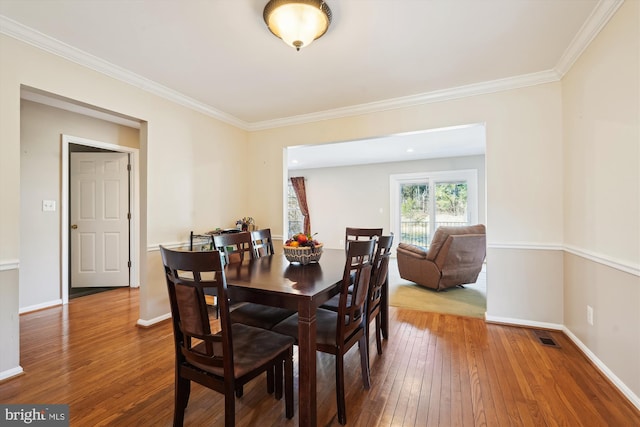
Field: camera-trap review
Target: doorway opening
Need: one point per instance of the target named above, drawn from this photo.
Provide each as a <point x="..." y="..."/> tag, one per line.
<point x="131" y="244"/>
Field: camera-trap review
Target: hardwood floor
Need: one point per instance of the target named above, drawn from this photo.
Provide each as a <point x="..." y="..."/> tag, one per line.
<point x="436" y="370"/>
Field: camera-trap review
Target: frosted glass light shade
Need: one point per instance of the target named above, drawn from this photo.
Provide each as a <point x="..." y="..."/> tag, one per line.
<point x="297" y="23"/>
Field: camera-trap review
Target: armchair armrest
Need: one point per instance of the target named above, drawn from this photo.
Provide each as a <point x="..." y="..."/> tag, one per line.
<point x="413" y="251"/>
<point x="413" y="265"/>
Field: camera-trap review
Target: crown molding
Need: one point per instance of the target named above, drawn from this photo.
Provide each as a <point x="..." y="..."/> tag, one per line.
<point x="42" y="41"/>
<point x="601" y="14"/>
<point x="415" y="100"/>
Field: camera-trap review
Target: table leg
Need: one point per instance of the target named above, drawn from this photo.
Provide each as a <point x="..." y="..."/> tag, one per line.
<point x="307" y="406"/>
<point x="384" y="310"/>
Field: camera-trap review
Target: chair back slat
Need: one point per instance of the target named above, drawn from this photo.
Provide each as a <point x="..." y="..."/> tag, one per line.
<point x="379" y="273"/>
<point x="235" y="246"/>
<point x="357" y="275"/>
<point x="355" y="234"/>
<point x="262" y="242"/>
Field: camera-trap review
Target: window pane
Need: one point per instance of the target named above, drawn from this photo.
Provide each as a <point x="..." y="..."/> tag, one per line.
<point x="294" y="215"/>
<point x="451" y="204"/>
<point x="414" y="213"/>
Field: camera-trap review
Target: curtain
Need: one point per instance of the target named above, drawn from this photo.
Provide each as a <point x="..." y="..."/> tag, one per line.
<point x="301" y="194"/>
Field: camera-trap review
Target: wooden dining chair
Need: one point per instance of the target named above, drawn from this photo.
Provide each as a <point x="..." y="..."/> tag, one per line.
<point x="353" y="233"/>
<point x="225" y="360"/>
<point x="262" y="242"/>
<point x="237" y="247"/>
<point x="379" y="275"/>
<point x="337" y="332"/>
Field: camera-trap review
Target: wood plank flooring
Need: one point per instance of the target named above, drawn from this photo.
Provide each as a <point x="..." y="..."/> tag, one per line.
<point x="436" y="370"/>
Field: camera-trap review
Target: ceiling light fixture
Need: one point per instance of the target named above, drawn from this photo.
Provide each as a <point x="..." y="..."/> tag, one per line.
<point x="297" y="22"/>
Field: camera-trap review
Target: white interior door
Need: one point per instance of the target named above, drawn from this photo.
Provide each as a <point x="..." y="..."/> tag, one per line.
<point x="99" y="232"/>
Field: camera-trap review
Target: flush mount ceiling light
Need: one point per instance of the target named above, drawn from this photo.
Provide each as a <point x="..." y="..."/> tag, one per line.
<point x="297" y="22"/>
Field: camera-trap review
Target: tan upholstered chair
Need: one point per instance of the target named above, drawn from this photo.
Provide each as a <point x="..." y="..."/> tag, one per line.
<point x="454" y="258"/>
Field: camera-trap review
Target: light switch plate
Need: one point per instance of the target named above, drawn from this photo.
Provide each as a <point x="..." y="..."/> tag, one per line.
<point x="48" y="205"/>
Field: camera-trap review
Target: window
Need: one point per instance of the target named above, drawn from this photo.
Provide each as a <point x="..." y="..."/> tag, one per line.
<point x="295" y="219"/>
<point x="422" y="202"/>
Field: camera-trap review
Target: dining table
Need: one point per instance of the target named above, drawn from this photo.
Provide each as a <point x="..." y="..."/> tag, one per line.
<point x="274" y="281"/>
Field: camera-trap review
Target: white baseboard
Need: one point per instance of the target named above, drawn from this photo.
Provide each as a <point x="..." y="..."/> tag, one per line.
<point x="9" y="373"/>
<point x="522" y="322"/>
<point x="633" y="398"/>
<point x="40" y="306"/>
<point x="151" y="322"/>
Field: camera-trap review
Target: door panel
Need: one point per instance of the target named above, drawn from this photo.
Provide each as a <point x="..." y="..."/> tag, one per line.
<point x="99" y="201"/>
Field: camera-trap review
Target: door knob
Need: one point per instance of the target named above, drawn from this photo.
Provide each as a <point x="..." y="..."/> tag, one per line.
<point x="74" y="226"/>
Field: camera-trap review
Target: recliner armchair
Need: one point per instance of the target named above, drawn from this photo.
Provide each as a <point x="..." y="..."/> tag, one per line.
<point x="454" y="258"/>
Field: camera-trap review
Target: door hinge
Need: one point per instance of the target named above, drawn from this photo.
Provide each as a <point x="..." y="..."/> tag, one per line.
<point x="128" y="215"/>
<point x="129" y="264"/>
<point x="129" y="167"/>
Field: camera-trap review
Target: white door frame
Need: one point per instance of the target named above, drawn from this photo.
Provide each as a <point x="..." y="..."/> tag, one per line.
<point x="134" y="203"/>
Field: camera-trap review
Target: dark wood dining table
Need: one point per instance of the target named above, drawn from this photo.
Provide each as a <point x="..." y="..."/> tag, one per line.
<point x="273" y="281"/>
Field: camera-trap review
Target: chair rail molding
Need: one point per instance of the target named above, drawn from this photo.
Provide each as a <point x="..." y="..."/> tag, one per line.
<point x="622" y="265"/>
<point x="618" y="264"/>
<point x="9" y="264"/>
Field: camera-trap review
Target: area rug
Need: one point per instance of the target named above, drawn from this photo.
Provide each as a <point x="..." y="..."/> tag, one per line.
<point x="469" y="301"/>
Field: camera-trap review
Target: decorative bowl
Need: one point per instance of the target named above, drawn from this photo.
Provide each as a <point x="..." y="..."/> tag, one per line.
<point x="303" y="254"/>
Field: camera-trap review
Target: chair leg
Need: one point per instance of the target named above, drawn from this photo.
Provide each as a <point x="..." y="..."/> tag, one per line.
<point x="229" y="409"/>
<point x="379" y="333"/>
<point x="364" y="362"/>
<point x="367" y="331"/>
<point x="239" y="391"/>
<point x="288" y="384"/>
<point x="182" y="392"/>
<point x="270" y="374"/>
<point x="278" y="380"/>
<point x="340" y="398"/>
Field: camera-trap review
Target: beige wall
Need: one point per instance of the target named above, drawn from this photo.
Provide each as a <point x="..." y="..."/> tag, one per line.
<point x="365" y="200"/>
<point x="523" y="181"/>
<point x="601" y="111"/>
<point x="9" y="330"/>
<point x="186" y="161"/>
<point x="41" y="128"/>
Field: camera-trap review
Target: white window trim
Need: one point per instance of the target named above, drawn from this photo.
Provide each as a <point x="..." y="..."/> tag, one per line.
<point x="469" y="175"/>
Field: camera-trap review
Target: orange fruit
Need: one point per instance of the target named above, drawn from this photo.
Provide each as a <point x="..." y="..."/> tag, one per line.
<point x="294" y="244"/>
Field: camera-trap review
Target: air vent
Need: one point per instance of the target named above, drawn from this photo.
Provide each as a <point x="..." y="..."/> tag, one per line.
<point x="544" y="337"/>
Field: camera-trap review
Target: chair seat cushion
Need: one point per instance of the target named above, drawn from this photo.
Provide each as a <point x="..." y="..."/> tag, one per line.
<point x="252" y="347"/>
<point x="334" y="303"/>
<point x="326" y="324"/>
<point x="258" y="315"/>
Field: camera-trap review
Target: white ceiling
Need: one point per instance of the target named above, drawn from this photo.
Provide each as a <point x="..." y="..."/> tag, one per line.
<point x="466" y="140"/>
<point x="218" y="57"/>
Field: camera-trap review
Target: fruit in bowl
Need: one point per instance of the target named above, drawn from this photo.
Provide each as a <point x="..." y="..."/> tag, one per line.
<point x="302" y="248"/>
<point x="302" y="240"/>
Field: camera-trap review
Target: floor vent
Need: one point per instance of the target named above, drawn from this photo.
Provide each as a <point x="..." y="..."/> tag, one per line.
<point x="544" y="337"/>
